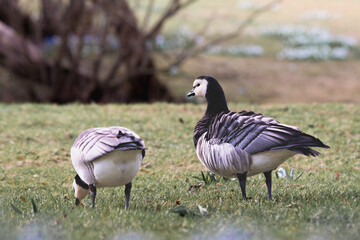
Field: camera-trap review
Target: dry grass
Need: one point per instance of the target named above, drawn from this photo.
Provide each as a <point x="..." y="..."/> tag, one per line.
<point x="264" y="80"/>
<point x="225" y="14"/>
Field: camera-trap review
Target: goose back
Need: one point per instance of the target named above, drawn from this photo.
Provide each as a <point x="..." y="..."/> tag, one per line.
<point x="102" y="144"/>
<point x="255" y="133"/>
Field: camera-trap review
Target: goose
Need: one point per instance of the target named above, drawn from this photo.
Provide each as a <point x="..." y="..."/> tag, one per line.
<point x="106" y="157"/>
<point x="243" y="144"/>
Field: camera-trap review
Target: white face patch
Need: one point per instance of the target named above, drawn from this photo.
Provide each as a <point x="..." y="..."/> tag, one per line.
<point x="80" y="192"/>
<point x="200" y="87"/>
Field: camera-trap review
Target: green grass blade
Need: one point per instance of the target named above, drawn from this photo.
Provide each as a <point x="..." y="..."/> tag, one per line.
<point x="35" y="208"/>
<point x="206" y="181"/>
<point x="15" y="209"/>
<point x="292" y="174"/>
<point x="298" y="176"/>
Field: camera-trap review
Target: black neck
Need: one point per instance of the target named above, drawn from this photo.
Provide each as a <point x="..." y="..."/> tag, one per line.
<point x="80" y="182"/>
<point x="216" y="102"/>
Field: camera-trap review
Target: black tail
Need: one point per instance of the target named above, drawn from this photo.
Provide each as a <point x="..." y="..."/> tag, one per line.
<point x="130" y="146"/>
<point x="306" y="150"/>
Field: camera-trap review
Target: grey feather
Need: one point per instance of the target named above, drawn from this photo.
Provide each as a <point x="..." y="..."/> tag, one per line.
<point x="95" y="142"/>
<point x="255" y="133"/>
<point x="233" y="159"/>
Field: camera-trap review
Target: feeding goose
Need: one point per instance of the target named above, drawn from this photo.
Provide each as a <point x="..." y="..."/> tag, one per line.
<point x="246" y="143"/>
<point x="106" y="157"/>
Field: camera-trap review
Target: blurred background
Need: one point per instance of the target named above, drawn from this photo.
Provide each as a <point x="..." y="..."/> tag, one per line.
<point x="102" y="51"/>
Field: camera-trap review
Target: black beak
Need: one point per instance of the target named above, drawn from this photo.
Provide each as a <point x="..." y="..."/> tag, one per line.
<point x="191" y="93"/>
<point x="77" y="202"/>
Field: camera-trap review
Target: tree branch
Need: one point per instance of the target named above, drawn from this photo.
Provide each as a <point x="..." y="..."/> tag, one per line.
<point x="118" y="10"/>
<point x="21" y="22"/>
<point x="98" y="61"/>
<point x="50" y="19"/>
<point x="16" y="53"/>
<point x="173" y="8"/>
<point x="147" y="16"/>
<point x="226" y="37"/>
<point x="113" y="70"/>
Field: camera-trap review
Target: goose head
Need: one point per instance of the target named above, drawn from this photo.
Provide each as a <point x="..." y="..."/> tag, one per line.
<point x="199" y="89"/>
<point x="208" y="87"/>
<point x="81" y="189"/>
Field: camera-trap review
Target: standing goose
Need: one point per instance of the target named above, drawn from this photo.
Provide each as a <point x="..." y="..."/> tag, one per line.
<point x="106" y="157"/>
<point x="246" y="143"/>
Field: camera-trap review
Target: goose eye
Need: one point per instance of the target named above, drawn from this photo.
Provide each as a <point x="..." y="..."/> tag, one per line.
<point x="198" y="84"/>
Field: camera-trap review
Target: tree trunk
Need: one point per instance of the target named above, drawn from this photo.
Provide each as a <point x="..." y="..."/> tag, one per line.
<point x="66" y="77"/>
<point x="63" y="85"/>
<point x="145" y="86"/>
<point x="24" y="59"/>
<point x="141" y="83"/>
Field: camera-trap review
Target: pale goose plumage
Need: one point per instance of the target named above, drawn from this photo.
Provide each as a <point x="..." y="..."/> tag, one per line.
<point x="245" y="143"/>
<point x="106" y="157"/>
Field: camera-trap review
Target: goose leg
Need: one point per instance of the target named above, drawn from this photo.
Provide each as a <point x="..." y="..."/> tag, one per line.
<point x="127" y="194"/>
<point x="268" y="183"/>
<point x="77" y="202"/>
<point x="92" y="193"/>
<point x="242" y="180"/>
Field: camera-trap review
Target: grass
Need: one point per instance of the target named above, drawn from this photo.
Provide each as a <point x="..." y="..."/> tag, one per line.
<point x="36" y="173"/>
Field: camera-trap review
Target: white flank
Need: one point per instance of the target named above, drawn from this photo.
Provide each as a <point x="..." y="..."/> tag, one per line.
<point x="117" y="168"/>
<point x="268" y="161"/>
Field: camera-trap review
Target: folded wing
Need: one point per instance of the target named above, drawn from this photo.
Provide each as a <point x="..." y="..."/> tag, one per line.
<point x="96" y="142"/>
<point x="255" y="133"/>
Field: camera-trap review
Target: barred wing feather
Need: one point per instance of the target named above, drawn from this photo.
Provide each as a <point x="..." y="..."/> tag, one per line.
<point x="255" y="133"/>
<point x="95" y="142"/>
